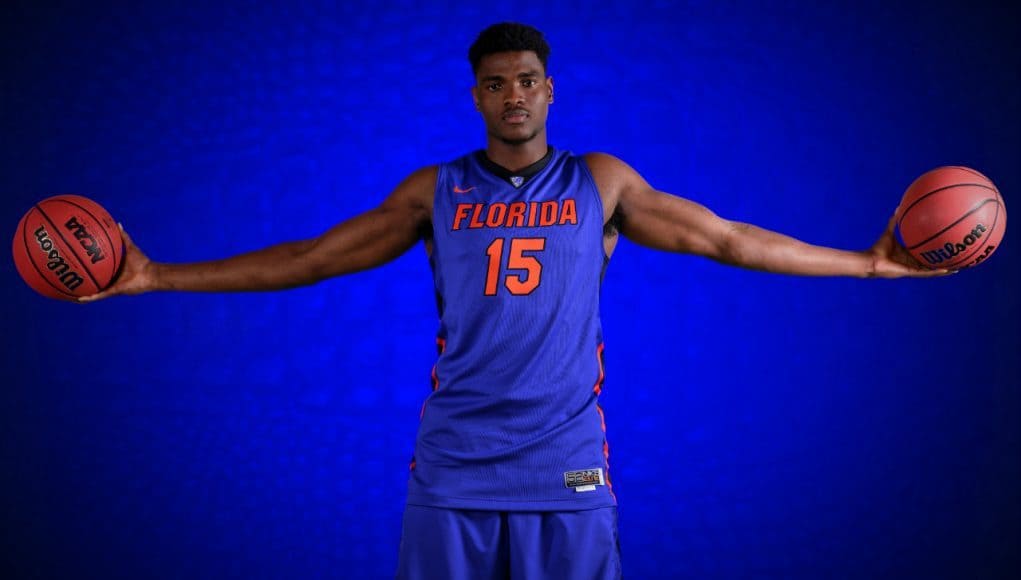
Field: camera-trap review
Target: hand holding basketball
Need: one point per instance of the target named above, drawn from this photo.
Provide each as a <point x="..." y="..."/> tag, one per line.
<point x="67" y="246"/>
<point x="890" y="260"/>
<point x="136" y="276"/>
<point x="951" y="217"/>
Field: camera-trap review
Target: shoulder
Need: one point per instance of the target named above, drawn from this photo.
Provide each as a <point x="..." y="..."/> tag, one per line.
<point x="420" y="182"/>
<point x="601" y="159"/>
<point x="612" y="175"/>
<point x="603" y="163"/>
<point x="424" y="175"/>
<point x="608" y="166"/>
<point x="461" y="163"/>
<point x="416" y="190"/>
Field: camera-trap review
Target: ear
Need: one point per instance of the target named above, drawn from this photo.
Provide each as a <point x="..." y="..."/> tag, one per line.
<point x="475" y="96"/>
<point x="549" y="87"/>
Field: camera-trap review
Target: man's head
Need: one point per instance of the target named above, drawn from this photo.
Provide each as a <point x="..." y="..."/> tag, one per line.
<point x="512" y="91"/>
<point x="508" y="37"/>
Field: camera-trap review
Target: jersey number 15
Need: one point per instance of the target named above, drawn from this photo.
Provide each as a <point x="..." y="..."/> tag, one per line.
<point x="517" y="284"/>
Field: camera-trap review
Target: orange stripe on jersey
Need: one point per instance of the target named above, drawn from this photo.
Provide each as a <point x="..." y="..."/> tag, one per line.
<point x="602" y="418"/>
<point x="606" y="452"/>
<point x="606" y="458"/>
<point x="441" y="345"/>
<point x="598" y="387"/>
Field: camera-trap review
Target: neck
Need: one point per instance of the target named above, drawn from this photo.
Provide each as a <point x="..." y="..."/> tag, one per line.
<point x="514" y="157"/>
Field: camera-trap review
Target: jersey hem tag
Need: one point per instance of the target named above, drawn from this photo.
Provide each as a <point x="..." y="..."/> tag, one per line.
<point x="584" y="479"/>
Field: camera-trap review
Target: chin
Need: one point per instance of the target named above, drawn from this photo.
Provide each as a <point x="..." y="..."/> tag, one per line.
<point x="518" y="137"/>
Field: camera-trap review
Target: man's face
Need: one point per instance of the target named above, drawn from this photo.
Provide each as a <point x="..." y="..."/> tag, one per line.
<point x="513" y="94"/>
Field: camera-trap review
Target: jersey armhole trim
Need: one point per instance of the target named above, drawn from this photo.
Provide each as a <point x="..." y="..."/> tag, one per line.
<point x="599" y="203"/>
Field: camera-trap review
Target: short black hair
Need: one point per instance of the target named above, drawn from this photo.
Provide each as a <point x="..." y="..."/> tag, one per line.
<point x="508" y="37"/>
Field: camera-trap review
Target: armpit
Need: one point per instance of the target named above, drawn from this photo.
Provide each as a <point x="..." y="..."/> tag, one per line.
<point x="612" y="227"/>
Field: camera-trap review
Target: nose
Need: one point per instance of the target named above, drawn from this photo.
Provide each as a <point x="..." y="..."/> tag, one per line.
<point x="515" y="95"/>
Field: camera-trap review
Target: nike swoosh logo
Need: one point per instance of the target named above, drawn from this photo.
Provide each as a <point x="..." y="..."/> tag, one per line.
<point x="459" y="190"/>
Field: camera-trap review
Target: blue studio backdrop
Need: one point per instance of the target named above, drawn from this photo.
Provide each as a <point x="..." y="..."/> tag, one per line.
<point x="760" y="426"/>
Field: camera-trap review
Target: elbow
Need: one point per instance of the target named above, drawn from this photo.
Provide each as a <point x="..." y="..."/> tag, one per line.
<point x="305" y="265"/>
<point x="732" y="248"/>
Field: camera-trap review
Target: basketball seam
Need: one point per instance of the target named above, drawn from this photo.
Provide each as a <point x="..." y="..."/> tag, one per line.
<point x="972" y="171"/>
<point x="919" y="200"/>
<point x="959" y="220"/>
<point x="71" y="250"/>
<point x="42" y="275"/>
<point x="109" y="241"/>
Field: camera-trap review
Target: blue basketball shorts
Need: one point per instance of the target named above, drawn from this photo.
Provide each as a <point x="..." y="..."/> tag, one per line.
<point x="453" y="544"/>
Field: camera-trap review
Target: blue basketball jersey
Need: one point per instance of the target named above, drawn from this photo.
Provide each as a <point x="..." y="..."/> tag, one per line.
<point x="513" y="421"/>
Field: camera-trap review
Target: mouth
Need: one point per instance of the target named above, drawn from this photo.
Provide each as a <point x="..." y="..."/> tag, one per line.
<point x="515" y="116"/>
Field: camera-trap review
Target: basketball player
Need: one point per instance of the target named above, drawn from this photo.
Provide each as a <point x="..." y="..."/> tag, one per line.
<point x="510" y="475"/>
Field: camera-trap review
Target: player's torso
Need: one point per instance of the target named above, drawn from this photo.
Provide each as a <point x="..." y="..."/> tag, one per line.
<point x="512" y="421"/>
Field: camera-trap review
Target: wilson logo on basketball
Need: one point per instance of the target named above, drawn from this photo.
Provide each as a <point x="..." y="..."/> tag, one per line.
<point x="87" y="240"/>
<point x="950" y="250"/>
<point x="56" y="263"/>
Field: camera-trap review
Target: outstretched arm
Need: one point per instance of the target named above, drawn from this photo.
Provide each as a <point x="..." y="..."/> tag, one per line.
<point x="667" y="222"/>
<point x="364" y="241"/>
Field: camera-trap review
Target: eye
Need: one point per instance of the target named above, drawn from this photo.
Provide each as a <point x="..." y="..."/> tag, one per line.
<point x="493" y="87"/>
<point x="528" y="83"/>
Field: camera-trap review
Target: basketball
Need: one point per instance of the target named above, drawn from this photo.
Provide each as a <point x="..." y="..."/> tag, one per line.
<point x="951" y="217"/>
<point x="67" y="246"/>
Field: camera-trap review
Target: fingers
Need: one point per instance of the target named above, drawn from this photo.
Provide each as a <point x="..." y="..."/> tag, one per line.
<point x="932" y="273"/>
<point x="915" y="269"/>
<point x="125" y="236"/>
<point x="98" y="296"/>
<point x="115" y="288"/>
<point x="92" y="298"/>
